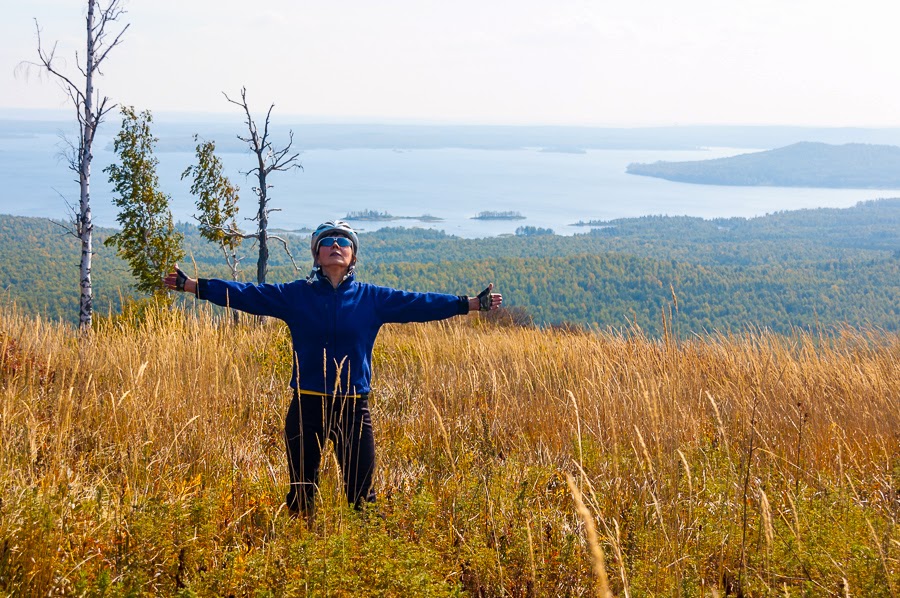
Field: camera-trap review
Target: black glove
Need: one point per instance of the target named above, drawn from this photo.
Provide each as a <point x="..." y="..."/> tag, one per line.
<point x="484" y="299"/>
<point x="180" y="279"/>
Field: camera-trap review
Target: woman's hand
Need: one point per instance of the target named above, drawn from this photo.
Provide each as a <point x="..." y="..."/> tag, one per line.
<point x="179" y="281"/>
<point x="486" y="300"/>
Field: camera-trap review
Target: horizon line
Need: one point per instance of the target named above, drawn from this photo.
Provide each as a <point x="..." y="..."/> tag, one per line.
<point x="65" y="114"/>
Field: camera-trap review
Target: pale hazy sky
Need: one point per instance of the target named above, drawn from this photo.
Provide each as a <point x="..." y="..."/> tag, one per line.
<point x="622" y="63"/>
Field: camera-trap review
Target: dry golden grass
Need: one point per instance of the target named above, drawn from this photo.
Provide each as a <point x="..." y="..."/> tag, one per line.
<point x="148" y="459"/>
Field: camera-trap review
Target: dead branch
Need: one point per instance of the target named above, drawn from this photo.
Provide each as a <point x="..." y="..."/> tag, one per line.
<point x="46" y="62"/>
<point x="278" y="160"/>
<point x="286" y="249"/>
<point x="233" y="233"/>
<point x="280" y="163"/>
<point x="72" y="228"/>
<point x="265" y="136"/>
<point x="65" y="228"/>
<point x="253" y="140"/>
<point x="115" y="42"/>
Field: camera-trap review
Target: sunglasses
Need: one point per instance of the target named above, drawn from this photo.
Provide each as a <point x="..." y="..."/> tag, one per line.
<point x="341" y="242"/>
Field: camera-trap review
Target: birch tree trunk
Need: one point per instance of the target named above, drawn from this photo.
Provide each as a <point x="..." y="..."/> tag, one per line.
<point x="85" y="231"/>
<point x="84" y="222"/>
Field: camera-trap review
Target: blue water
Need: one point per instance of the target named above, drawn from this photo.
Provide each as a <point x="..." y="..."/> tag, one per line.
<point x="552" y="190"/>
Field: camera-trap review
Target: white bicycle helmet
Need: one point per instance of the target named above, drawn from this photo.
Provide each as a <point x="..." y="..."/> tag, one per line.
<point x="329" y="228"/>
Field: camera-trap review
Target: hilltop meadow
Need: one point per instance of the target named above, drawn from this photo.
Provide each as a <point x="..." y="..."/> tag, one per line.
<point x="147" y="459"/>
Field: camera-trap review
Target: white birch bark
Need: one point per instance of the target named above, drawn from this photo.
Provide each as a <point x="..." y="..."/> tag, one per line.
<point x="84" y="225"/>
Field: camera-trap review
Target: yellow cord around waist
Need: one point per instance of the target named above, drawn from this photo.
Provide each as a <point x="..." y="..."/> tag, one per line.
<point x="314" y="393"/>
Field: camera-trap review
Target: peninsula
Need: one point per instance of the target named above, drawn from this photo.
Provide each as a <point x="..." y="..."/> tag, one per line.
<point x="805" y="164"/>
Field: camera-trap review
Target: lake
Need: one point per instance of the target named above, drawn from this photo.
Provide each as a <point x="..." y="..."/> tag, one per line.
<point x="550" y="189"/>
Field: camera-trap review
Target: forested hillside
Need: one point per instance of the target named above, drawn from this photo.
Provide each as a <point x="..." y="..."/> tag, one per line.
<point x="804" y="268"/>
<point x="806" y="164"/>
<point x="39" y="268"/>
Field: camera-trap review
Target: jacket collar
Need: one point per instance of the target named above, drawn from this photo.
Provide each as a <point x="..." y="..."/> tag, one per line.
<point x="318" y="278"/>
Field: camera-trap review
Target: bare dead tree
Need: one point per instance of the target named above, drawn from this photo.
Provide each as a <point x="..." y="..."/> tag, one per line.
<point x="268" y="160"/>
<point x="90" y="109"/>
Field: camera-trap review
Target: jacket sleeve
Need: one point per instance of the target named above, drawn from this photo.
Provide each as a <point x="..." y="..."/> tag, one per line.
<point x="392" y="305"/>
<point x="259" y="300"/>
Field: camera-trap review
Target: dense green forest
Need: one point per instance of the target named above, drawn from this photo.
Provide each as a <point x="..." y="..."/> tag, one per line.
<point x="806" y="268"/>
<point x="39" y="263"/>
<point x="806" y="164"/>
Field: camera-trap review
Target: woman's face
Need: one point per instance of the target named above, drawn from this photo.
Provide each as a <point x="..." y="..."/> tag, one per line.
<point x="335" y="255"/>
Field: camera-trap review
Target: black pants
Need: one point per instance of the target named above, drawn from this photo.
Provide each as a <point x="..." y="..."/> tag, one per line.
<point x="311" y="421"/>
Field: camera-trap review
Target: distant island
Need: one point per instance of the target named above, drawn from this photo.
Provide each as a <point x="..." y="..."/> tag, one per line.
<point x="369" y="215"/>
<point x="805" y="164"/>
<point x="593" y="223"/>
<point x="376" y="216"/>
<point x="291" y="231"/>
<point x="489" y="215"/>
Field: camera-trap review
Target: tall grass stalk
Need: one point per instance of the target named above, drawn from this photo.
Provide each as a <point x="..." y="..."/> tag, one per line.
<point x="590" y="531"/>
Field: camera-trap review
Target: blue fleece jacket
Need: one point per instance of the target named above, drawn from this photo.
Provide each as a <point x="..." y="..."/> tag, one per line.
<point x="338" y="325"/>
